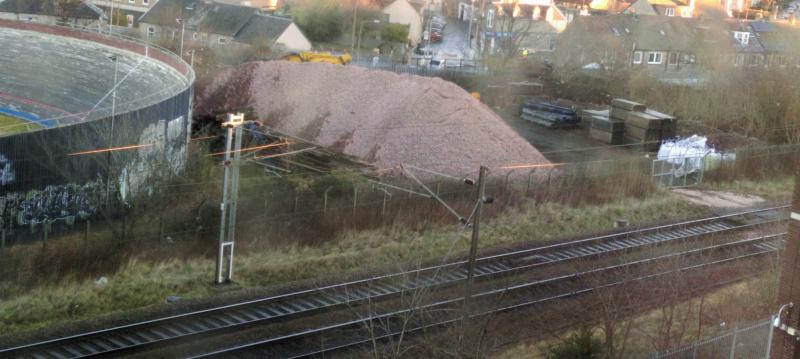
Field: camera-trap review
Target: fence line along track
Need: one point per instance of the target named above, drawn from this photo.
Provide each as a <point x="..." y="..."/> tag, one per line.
<point x="160" y="331"/>
<point x="755" y="247"/>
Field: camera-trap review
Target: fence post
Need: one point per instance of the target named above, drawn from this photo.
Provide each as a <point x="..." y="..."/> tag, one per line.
<point x="732" y="353"/>
<point x="355" y="198"/>
<point x="325" y="200"/>
<point x="528" y="186"/>
<point x="3" y="240"/>
<point x="769" y="336"/>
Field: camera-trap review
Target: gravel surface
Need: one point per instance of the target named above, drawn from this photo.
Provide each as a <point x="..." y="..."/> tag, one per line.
<point x="383" y="118"/>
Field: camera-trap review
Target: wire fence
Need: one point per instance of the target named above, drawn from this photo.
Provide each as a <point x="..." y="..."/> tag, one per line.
<point x="750" y="341"/>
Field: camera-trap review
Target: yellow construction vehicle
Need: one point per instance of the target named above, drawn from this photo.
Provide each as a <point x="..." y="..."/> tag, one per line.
<point x="327" y="57"/>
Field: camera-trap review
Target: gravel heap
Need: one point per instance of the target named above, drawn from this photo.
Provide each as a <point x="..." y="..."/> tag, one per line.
<point x="383" y="118"/>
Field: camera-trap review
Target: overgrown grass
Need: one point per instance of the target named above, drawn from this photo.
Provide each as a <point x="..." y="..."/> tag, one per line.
<point x="777" y="190"/>
<point x="142" y="283"/>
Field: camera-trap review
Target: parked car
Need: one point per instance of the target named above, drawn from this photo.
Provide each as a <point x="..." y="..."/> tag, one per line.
<point x="437" y="62"/>
<point x="436" y="36"/>
<point x="423" y="51"/>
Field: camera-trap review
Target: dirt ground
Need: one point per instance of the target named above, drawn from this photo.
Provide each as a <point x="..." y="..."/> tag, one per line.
<point x="718" y="199"/>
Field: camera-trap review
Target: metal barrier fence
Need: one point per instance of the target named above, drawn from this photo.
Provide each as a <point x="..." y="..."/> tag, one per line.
<point x="679" y="172"/>
<point x="751" y="341"/>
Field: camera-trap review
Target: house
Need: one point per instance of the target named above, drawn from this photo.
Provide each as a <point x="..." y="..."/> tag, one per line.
<point x="662" y="7"/>
<point x="128" y="11"/>
<point x="404" y="13"/>
<point x="273" y="31"/>
<point x="216" y="25"/>
<point x="658" y="44"/>
<point x="671" y="47"/>
<point x="780" y="42"/>
<point x="50" y="13"/>
<point x="513" y="26"/>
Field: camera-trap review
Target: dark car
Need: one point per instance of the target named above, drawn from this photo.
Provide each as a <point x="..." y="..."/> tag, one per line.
<point x="436" y="36"/>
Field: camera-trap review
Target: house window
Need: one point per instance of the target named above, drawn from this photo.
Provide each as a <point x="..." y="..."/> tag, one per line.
<point x="146" y="2"/>
<point x="129" y="19"/>
<point x="742" y="36"/>
<point x="739" y="60"/>
<point x="673" y="58"/>
<point x="131" y="1"/>
<point x="655" y="58"/>
<point x="490" y="18"/>
<point x="670" y="11"/>
<point x="637" y="57"/>
<point x="222" y="40"/>
<point x="151" y="31"/>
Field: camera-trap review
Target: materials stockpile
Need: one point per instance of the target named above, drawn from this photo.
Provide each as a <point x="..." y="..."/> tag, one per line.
<point x="548" y="114"/>
<point x="382" y="118"/>
<point x="603" y="128"/>
<point x="631" y="122"/>
<point x="643" y="126"/>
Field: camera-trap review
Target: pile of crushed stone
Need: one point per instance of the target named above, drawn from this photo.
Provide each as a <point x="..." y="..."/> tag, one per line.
<point x="383" y="118"/>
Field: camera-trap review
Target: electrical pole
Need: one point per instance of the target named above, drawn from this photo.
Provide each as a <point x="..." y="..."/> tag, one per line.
<point x="353" y="36"/>
<point x="473" y="247"/>
<point x="230" y="197"/>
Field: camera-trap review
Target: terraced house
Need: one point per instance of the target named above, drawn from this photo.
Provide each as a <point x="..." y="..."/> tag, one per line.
<point x="671" y="48"/>
<point x="219" y="25"/>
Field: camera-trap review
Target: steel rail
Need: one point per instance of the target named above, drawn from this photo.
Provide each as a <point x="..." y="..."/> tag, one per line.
<point x="502" y="291"/>
<point x="124" y="337"/>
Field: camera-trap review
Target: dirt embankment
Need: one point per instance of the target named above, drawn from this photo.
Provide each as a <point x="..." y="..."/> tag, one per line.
<point x="383" y="118"/>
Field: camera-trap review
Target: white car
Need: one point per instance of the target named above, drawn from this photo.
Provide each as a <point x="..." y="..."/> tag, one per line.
<point x="437" y="63"/>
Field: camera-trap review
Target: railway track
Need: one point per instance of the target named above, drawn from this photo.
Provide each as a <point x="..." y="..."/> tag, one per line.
<point x="397" y="322"/>
<point x="167" y="330"/>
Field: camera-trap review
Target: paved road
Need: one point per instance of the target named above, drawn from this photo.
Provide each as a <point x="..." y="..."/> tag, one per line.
<point x="454" y="40"/>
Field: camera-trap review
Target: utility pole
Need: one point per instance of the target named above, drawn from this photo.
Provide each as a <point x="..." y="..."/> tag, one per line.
<point x="473" y="247"/>
<point x="353" y="36"/>
<point x="230" y="197"/>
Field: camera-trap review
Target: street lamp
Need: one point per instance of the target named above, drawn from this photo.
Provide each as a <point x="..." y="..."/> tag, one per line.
<point x="360" y="31"/>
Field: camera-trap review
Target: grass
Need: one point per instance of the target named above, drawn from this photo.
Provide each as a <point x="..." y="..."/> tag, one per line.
<point x="143" y="283"/>
<point x="11" y="125"/>
<point x="741" y="302"/>
<point x="777" y="189"/>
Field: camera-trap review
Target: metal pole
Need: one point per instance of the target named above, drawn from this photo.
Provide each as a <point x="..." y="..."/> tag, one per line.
<point x="469" y="29"/>
<point x="183" y="27"/>
<point x="111" y="18"/>
<point x="732" y="353"/>
<point x="234" y="198"/>
<point x="224" y="205"/>
<point x="769" y="336"/>
<point x="358" y="46"/>
<point x="473" y="247"/>
<point x="191" y="62"/>
<point x="353" y="35"/>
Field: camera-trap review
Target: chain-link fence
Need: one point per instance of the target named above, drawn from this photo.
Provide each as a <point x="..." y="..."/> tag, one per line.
<point x="749" y="341"/>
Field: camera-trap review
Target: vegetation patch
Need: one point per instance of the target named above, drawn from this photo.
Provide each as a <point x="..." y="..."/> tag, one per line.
<point x="141" y="283"/>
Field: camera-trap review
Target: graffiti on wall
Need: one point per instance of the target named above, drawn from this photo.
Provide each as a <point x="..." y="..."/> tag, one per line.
<point x="63" y="202"/>
<point x="6" y="171"/>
